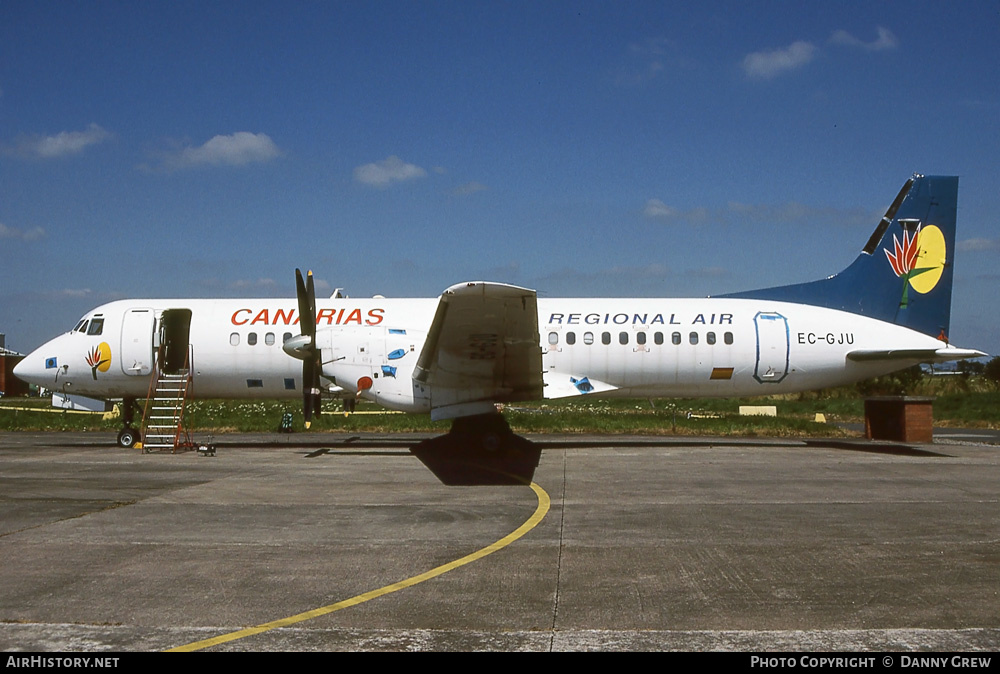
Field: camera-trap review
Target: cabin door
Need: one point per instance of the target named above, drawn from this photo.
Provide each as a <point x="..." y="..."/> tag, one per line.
<point x="137" y="342"/>
<point x="772" y="347"/>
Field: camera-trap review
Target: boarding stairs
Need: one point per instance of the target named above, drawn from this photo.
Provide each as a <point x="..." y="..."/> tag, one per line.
<point x="163" y="420"/>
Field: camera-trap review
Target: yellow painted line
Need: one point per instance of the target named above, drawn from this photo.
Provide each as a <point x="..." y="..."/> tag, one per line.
<point x="377" y="412"/>
<point x="543" y="507"/>
<point x="56" y="410"/>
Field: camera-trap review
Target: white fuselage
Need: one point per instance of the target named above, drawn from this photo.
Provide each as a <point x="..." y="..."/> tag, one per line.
<point x="630" y="347"/>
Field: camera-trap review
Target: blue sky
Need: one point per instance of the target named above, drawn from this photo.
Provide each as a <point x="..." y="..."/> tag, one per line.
<point x="193" y="149"/>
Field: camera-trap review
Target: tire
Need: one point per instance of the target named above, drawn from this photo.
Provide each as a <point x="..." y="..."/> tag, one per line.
<point x="128" y="438"/>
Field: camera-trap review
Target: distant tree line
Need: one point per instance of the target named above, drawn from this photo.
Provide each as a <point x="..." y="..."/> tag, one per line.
<point x="991" y="370"/>
<point x="908" y="381"/>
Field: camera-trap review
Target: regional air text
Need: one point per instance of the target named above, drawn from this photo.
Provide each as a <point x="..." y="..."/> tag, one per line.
<point x="637" y="319"/>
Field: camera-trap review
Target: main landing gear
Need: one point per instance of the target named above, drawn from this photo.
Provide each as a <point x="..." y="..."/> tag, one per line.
<point x="479" y="450"/>
<point x="128" y="437"/>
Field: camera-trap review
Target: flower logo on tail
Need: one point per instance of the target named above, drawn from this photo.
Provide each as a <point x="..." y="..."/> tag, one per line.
<point x="924" y="246"/>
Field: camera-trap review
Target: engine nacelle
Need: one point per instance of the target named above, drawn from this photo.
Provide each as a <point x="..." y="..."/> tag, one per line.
<point x="375" y="363"/>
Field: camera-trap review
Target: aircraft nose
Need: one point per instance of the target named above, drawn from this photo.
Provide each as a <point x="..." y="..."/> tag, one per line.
<point x="24" y="371"/>
<point x="32" y="369"/>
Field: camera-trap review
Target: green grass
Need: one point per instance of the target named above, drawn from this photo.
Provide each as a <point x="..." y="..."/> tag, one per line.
<point x="960" y="402"/>
<point x="970" y="410"/>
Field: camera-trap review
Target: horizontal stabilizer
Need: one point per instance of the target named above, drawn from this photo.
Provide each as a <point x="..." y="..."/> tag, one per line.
<point x="920" y="355"/>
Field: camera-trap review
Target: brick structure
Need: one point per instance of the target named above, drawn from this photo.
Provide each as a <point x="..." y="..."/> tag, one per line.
<point x="900" y="418"/>
<point x="9" y="384"/>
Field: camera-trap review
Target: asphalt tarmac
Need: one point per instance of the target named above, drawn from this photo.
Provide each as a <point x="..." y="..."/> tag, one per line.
<point x="625" y="544"/>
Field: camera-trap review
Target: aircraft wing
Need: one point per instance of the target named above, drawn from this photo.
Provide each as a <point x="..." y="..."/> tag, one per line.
<point x="942" y="355"/>
<point x="482" y="348"/>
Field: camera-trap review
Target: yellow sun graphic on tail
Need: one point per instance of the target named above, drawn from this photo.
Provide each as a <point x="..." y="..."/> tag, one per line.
<point x="932" y="257"/>
<point x="918" y="259"/>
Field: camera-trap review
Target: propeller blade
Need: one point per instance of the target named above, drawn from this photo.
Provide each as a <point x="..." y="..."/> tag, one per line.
<point x="317" y="398"/>
<point x="305" y="293"/>
<point x="307" y="305"/>
<point x="308" y="371"/>
<point x="311" y="397"/>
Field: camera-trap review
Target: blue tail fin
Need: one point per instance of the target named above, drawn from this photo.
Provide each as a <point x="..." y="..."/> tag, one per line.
<point x="904" y="273"/>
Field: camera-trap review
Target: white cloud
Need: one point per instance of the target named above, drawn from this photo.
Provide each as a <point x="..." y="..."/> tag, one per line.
<point x="648" y="60"/>
<point x="658" y="210"/>
<point x="237" y="149"/>
<point x="389" y="170"/>
<point x="62" y="144"/>
<point x="972" y="245"/>
<point x="795" y="212"/>
<point x="736" y="212"/>
<point x="74" y="292"/>
<point x="709" y="272"/>
<point x="237" y="284"/>
<point x="469" y="188"/>
<point x="32" y="234"/>
<point x="241" y="284"/>
<point x="769" y="64"/>
<point x="653" y="271"/>
<point x="885" y="40"/>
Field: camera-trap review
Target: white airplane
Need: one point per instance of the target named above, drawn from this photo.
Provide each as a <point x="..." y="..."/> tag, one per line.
<point x="481" y="343"/>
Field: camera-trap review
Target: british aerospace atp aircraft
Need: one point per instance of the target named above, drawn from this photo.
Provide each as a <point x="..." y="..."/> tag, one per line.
<point x="481" y="343"/>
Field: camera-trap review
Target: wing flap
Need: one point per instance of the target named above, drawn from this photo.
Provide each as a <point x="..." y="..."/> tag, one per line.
<point x="482" y="346"/>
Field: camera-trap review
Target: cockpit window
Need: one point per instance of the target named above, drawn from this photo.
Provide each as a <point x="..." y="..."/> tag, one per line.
<point x="81" y="326"/>
<point x="96" y="326"/>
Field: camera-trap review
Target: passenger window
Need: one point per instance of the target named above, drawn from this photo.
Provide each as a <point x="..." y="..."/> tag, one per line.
<point x="269" y="339"/>
<point x="728" y="338"/>
<point x="658" y="338"/>
<point x="623" y="338"/>
<point x="693" y="338"/>
<point x="605" y="338"/>
<point x="588" y="338"/>
<point x="640" y="338"/>
<point x="285" y="337"/>
<point x="96" y="327"/>
<point x="710" y="338"/>
<point x="252" y="339"/>
<point x="571" y="338"/>
<point x="553" y="338"/>
<point x="675" y="338"/>
<point x="234" y="339"/>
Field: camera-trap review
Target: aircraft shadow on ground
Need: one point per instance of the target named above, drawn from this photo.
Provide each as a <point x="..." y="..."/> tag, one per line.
<point x="459" y="460"/>
<point x="895" y="449"/>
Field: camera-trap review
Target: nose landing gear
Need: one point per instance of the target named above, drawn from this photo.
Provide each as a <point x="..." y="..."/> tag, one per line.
<point x="128" y="437"/>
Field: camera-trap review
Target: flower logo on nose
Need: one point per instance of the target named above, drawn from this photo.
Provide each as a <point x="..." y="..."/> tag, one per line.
<point x="99" y="358"/>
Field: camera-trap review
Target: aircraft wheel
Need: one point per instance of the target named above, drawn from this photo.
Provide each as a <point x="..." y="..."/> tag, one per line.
<point x="128" y="438"/>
